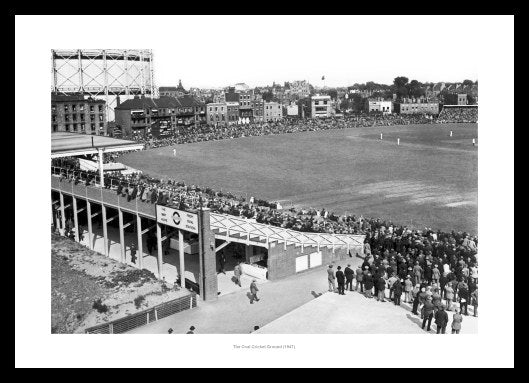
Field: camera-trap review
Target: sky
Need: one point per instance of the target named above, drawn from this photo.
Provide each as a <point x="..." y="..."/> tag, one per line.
<point x="222" y="51"/>
<point x="218" y="51"/>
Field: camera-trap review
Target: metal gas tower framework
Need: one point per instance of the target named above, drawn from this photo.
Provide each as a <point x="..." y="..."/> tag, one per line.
<point x="103" y="74"/>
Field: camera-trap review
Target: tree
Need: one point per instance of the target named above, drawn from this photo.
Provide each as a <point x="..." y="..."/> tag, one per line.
<point x="416" y="89"/>
<point x="471" y="99"/>
<point x="267" y="96"/>
<point x="468" y="83"/>
<point x="333" y="93"/>
<point x="400" y="81"/>
<point x="357" y="102"/>
<point x="400" y="86"/>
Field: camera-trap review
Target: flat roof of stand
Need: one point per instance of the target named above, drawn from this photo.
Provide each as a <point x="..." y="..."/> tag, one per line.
<point x="64" y="144"/>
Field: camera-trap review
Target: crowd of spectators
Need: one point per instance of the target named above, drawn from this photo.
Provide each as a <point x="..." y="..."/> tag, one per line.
<point x="179" y="195"/>
<point x="201" y="133"/>
<point x="435" y="272"/>
<point x="456" y="114"/>
<point x="429" y="267"/>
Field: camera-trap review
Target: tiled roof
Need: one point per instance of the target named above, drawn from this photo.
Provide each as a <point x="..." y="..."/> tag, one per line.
<point x="137" y="103"/>
<point x="187" y="101"/>
<point x="162" y="102"/>
<point x="232" y="97"/>
<point x="166" y="102"/>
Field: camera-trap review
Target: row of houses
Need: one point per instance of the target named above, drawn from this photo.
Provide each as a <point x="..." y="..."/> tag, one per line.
<point x="421" y="105"/>
<point x="177" y="109"/>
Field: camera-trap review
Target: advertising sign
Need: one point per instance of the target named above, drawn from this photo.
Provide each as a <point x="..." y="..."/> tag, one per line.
<point x="177" y="218"/>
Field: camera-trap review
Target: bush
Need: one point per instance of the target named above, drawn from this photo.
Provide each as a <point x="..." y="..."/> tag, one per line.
<point x="99" y="306"/>
<point x="138" y="301"/>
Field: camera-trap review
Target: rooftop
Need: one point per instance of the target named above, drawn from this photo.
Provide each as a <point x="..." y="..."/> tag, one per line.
<point x="58" y="97"/>
<point x="64" y="144"/>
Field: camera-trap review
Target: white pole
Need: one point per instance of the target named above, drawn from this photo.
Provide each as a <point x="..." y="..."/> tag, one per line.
<point x="100" y="155"/>
<point x="160" y="251"/>
<point x="398" y="141"/>
<point x="451" y="133"/>
<point x="140" y="242"/>
<point x="380" y="135"/>
<point x="473" y="142"/>
<point x="181" y="256"/>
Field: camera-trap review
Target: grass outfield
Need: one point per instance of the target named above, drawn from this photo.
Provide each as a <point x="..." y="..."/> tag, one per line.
<point x="429" y="180"/>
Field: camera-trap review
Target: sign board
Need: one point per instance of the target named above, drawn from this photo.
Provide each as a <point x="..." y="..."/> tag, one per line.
<point x="315" y="259"/>
<point x="302" y="263"/>
<point x="177" y="218"/>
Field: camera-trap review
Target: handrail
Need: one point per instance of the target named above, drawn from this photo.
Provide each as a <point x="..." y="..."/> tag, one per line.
<point x="241" y="226"/>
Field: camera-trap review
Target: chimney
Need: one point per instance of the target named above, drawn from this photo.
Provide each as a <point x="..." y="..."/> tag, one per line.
<point x="118" y="101"/>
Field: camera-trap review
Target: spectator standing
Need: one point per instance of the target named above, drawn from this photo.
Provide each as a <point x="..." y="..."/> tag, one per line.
<point x="474" y="297"/>
<point x="133" y="253"/>
<point x="222" y="262"/>
<point x="449" y="296"/>
<point x="368" y="285"/>
<point x="462" y="291"/>
<point x="381" y="288"/>
<point x="391" y="283"/>
<point x="436" y="275"/>
<point x="397" y="291"/>
<point x="427" y="313"/>
<point x="474" y="273"/>
<point x="416" y="299"/>
<point x="340" y="277"/>
<point x="237" y="272"/>
<point x="349" y="276"/>
<point x="443" y="280"/>
<point x="359" y="279"/>
<point x="408" y="287"/>
<point x="417" y="273"/>
<point x="331" y="278"/>
<point x="441" y="320"/>
<point x="253" y="291"/>
<point x="457" y="318"/>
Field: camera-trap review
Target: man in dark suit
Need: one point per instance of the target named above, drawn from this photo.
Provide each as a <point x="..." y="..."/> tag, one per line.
<point x="222" y="261"/>
<point x="340" y="278"/>
<point x="349" y="276"/>
<point x="427" y="313"/>
<point x="441" y="319"/>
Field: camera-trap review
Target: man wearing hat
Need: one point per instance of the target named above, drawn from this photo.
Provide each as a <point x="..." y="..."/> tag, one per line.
<point x="408" y="287"/>
<point x="340" y="277"/>
<point x="397" y="291"/>
<point x="331" y="278"/>
<point x="441" y="319"/>
<point x="416" y="300"/>
<point x="349" y="276"/>
<point x="427" y="313"/>
<point x="253" y="291"/>
<point x="359" y="279"/>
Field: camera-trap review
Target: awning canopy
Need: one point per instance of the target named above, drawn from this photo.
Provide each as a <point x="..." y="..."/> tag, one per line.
<point x="64" y="144"/>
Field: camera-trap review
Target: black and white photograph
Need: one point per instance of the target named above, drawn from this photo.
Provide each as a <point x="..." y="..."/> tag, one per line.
<point x="276" y="185"/>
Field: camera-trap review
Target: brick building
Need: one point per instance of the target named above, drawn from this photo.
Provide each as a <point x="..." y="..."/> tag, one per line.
<point x="378" y="105"/>
<point x="75" y="113"/>
<point x="232" y="112"/>
<point x="173" y="91"/>
<point x="416" y="106"/>
<point x="455" y="99"/>
<point x="216" y="113"/>
<point x="258" y="109"/>
<point x="273" y="111"/>
<point x="245" y="106"/>
<point x="321" y="106"/>
<point x="160" y="117"/>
